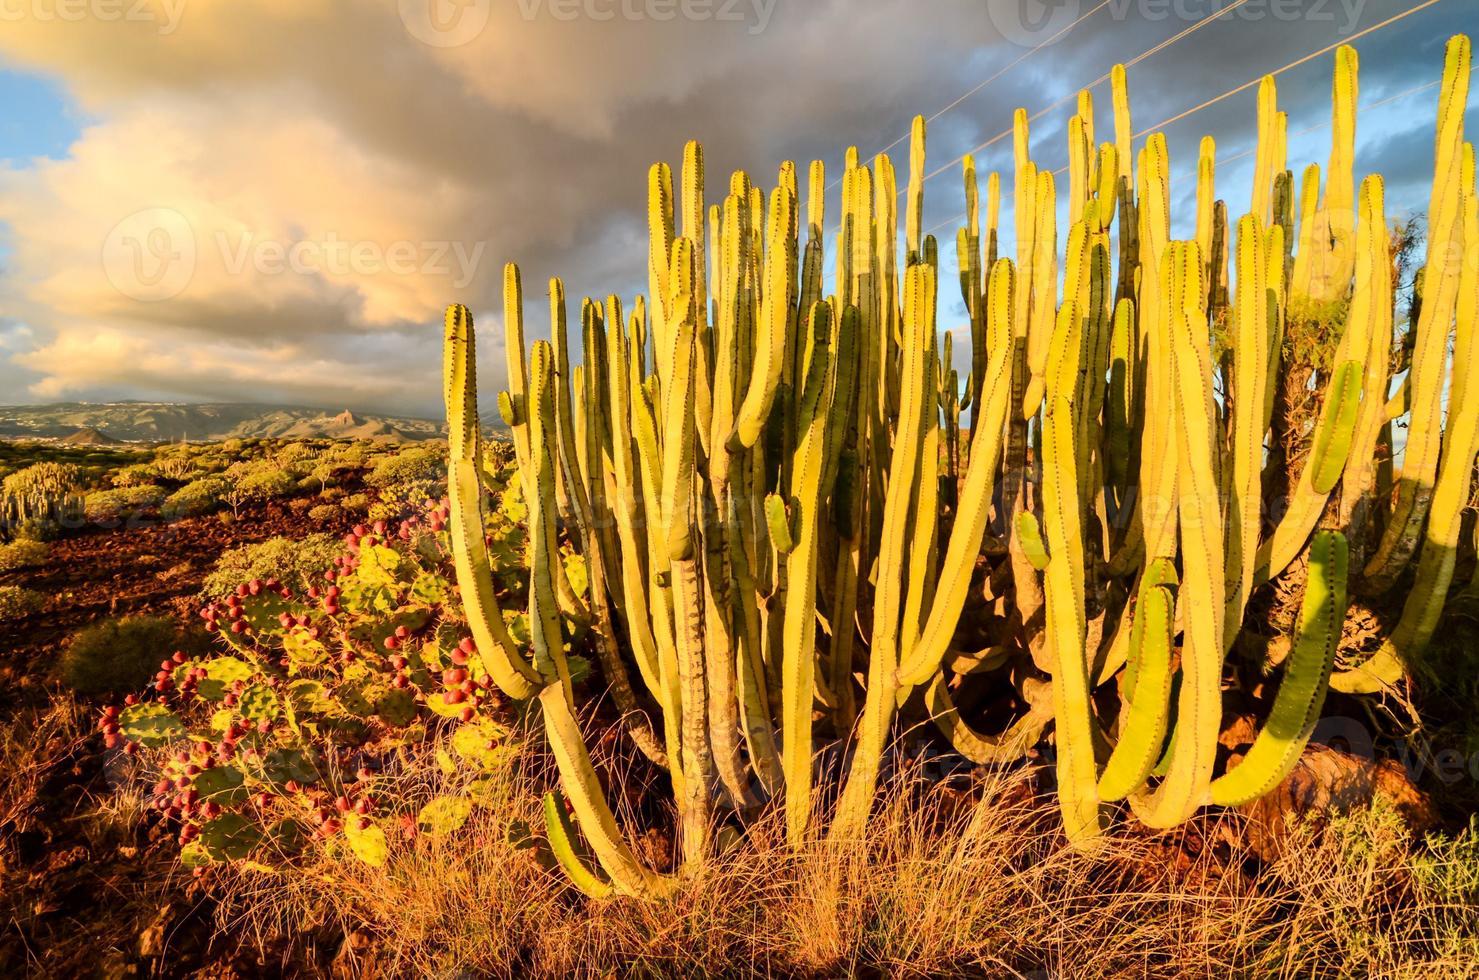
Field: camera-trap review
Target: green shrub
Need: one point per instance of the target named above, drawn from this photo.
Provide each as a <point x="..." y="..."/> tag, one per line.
<point x="117" y="656"/>
<point x="326" y="513"/>
<point x="135" y="475"/>
<point x="21" y="554"/>
<point x="16" y="602"/>
<point x="332" y="494"/>
<point x="299" y="505"/>
<point x="197" y="497"/>
<point x="123" y="502"/>
<point x="290" y="562"/>
<point x="419" y="465"/>
<point x="356" y="502"/>
<point x="264" y="486"/>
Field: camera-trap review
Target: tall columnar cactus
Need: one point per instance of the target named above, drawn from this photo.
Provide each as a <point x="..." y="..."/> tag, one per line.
<point x="794" y="540"/>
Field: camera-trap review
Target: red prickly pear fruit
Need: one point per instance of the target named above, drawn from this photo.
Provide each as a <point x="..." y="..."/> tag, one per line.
<point x="239" y="627"/>
<point x="111" y="740"/>
<point x="131" y="700"/>
<point x="379" y="527"/>
<point x="459" y="656"/>
<point x="342" y="804"/>
<point x="466" y="714"/>
<point x="402" y="632"/>
<point x="391" y="643"/>
<point x="179" y="657"/>
<point x="164" y="685"/>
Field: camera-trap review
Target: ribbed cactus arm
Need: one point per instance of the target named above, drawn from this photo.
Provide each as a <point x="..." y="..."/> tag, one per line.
<point x="1423" y="608"/>
<point x="1251" y="364"/>
<point x="798" y="628"/>
<point x="561" y="835"/>
<point x="1020" y="736"/>
<point x="1440" y="288"/>
<point x="1202" y="596"/>
<point x="964" y="545"/>
<point x="1346" y="399"/>
<point x="507" y="666"/>
<point x="583" y="787"/>
<point x="517" y="414"/>
<point x="878" y="710"/>
<point x="1145" y="687"/>
<point x="1306" y="676"/>
<point x="770" y="350"/>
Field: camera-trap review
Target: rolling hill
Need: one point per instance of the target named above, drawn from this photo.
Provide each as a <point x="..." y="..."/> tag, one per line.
<point x="131" y="421"/>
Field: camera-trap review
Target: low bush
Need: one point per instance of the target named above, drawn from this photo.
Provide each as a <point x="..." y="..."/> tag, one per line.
<point x="326" y="513"/>
<point x="283" y="559"/>
<point x="134" y="475"/>
<point x="419" y="465"/>
<point x="16" y="602"/>
<point x="196" y="497"/>
<point x="356" y="502"/>
<point x="117" y="655"/>
<point x="21" y="554"/>
<point x="266" y="485"/>
<point x="123" y="502"/>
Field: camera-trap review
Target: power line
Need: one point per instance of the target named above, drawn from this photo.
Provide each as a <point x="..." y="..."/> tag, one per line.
<point x="1184" y="33"/>
<point x="1249" y="84"/>
<point x="1020" y="58"/>
<point x="1293" y="64"/>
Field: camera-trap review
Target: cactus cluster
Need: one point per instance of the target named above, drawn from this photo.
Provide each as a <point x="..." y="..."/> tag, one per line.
<point x="793" y="538"/>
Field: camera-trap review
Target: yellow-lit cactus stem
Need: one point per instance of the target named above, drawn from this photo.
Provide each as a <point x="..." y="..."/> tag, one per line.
<point x="514" y="675"/>
<point x="1306" y="679"/>
<point x="1423" y="608"/>
<point x="1199" y="518"/>
<point x="1439" y="298"/>
<point x="829" y="352"/>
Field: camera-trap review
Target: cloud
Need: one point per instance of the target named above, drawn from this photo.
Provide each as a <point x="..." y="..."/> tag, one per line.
<point x="275" y="200"/>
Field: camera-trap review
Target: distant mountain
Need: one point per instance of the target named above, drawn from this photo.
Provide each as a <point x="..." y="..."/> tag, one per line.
<point x="103" y="423"/>
<point x="89" y="436"/>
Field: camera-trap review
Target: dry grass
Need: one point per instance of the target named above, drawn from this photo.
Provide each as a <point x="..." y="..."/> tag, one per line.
<point x="953" y="880"/>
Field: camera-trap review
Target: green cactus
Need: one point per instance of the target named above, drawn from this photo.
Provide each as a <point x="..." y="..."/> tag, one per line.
<point x="786" y="483"/>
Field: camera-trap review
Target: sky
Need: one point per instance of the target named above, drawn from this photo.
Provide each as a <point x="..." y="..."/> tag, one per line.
<point x="212" y="200"/>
